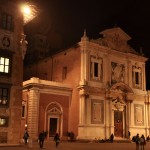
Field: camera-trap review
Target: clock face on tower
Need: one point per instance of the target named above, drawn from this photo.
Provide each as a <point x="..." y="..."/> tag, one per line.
<point x="6" y="42"/>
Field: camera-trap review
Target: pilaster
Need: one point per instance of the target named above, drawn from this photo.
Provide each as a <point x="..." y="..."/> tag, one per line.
<point x="33" y="113"/>
<point x="144" y="78"/>
<point x="84" y="57"/>
<point x="83" y="109"/>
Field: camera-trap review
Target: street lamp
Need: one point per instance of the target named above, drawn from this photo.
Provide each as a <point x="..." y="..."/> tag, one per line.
<point x="26" y="9"/>
<point x="26" y="126"/>
<point x="29" y="11"/>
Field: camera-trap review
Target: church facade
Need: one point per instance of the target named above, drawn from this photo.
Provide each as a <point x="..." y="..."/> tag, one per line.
<point x="93" y="89"/>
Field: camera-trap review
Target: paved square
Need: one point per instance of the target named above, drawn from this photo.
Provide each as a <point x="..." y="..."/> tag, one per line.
<point x="50" y="145"/>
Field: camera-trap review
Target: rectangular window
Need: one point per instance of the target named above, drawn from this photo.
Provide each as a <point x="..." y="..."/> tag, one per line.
<point x="7" y="21"/>
<point x="4" y="96"/>
<point x="64" y="73"/>
<point x="3" y="121"/>
<point x="23" y="111"/>
<point x="96" y="68"/>
<point x="3" y="137"/>
<point x="136" y="77"/>
<point x="4" y="65"/>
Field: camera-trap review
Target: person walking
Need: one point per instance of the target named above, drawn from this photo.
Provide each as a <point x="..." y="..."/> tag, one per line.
<point x="41" y="139"/>
<point x="137" y="141"/>
<point x="25" y="137"/>
<point x="129" y="135"/>
<point x="142" y="142"/>
<point x="111" y="138"/>
<point x="57" y="139"/>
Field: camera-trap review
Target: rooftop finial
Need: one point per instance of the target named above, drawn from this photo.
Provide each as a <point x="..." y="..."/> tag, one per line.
<point x="84" y="33"/>
<point x="85" y="38"/>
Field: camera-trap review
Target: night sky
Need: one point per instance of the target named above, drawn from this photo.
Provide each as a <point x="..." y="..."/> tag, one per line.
<point x="64" y="21"/>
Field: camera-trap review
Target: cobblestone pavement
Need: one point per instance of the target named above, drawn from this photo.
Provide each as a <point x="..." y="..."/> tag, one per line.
<point x="50" y="145"/>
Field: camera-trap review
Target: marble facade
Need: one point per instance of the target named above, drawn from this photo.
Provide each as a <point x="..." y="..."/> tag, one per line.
<point x="108" y="87"/>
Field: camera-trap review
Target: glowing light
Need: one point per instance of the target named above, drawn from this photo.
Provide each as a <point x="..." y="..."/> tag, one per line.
<point x="29" y="12"/>
<point x="26" y="9"/>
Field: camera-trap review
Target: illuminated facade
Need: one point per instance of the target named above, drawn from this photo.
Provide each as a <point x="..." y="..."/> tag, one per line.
<point x="11" y="28"/>
<point x="103" y="82"/>
<point x="13" y="47"/>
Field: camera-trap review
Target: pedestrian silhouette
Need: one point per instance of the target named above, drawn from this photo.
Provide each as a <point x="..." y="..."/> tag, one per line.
<point x="41" y="139"/>
<point x="111" y="138"/>
<point x="142" y="142"/>
<point x="25" y="137"/>
<point x="57" y="139"/>
<point x="137" y="141"/>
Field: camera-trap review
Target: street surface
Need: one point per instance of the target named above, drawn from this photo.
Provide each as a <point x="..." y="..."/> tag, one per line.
<point x="64" y="145"/>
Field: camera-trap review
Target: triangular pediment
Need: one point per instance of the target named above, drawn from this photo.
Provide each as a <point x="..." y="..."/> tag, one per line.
<point x="116" y="33"/>
<point x="54" y="110"/>
<point x="115" y="39"/>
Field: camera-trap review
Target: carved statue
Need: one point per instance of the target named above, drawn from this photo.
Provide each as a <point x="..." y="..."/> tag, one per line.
<point x="118" y="73"/>
<point x="23" y="45"/>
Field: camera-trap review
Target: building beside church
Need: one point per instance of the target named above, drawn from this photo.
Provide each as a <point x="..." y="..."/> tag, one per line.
<point x="13" y="46"/>
<point x="11" y="30"/>
<point x="93" y="89"/>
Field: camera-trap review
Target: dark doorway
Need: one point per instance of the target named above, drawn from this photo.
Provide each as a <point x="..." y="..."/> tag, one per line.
<point x="118" y="123"/>
<point x="53" y="127"/>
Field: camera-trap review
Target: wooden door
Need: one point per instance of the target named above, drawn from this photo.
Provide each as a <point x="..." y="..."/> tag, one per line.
<point x="118" y="123"/>
<point x="53" y="127"/>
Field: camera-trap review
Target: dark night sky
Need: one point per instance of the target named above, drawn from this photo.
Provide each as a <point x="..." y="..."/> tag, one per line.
<point x="65" y="21"/>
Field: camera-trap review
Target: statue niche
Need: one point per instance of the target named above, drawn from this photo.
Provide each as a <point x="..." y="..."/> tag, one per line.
<point x="118" y="72"/>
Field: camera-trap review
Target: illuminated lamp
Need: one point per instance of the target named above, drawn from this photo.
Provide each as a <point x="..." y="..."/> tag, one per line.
<point x="29" y="12"/>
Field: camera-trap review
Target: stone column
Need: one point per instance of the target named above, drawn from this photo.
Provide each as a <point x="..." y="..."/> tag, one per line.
<point x="129" y="98"/>
<point x="84" y="65"/>
<point x="111" y="118"/>
<point x="144" y="78"/>
<point x="33" y="113"/>
<point x="107" y="114"/>
<point x="128" y="112"/>
<point x="146" y="119"/>
<point x="107" y="118"/>
<point x="128" y="118"/>
<point x="148" y="110"/>
<point x="84" y="61"/>
<point x="82" y="111"/>
<point x="129" y="71"/>
<point x="146" y="115"/>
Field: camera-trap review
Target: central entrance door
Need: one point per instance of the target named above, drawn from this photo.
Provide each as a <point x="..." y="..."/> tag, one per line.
<point x="53" y="127"/>
<point x="118" y="123"/>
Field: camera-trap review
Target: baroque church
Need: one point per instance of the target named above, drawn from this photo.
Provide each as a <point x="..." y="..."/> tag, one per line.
<point x="93" y="89"/>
